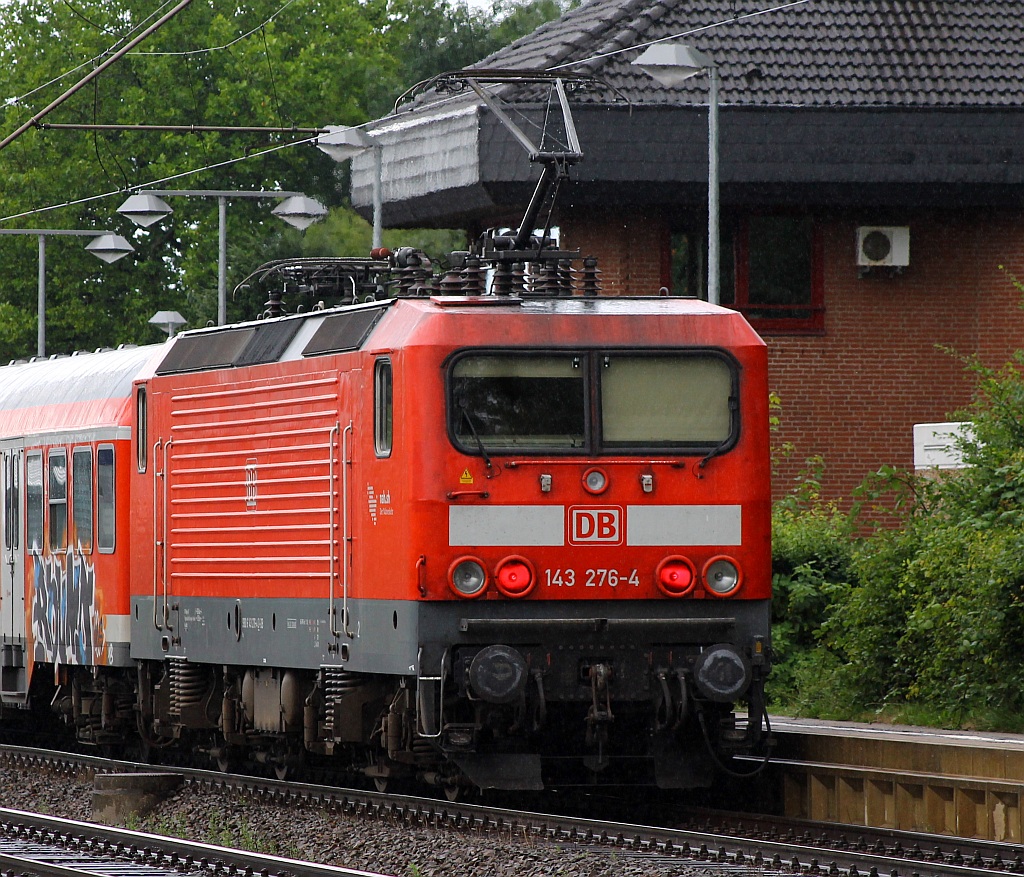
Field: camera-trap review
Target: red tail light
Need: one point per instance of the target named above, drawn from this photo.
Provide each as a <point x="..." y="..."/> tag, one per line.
<point x="675" y="576"/>
<point x="514" y="577"/>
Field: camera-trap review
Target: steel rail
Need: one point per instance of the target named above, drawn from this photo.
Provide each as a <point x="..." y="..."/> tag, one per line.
<point x="49" y="845"/>
<point x="743" y="843"/>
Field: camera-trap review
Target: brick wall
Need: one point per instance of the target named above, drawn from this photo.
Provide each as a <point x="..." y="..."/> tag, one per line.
<point x="629" y="246"/>
<point x="853" y="394"/>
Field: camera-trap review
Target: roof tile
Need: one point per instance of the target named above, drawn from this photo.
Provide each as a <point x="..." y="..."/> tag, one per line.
<point x="901" y="53"/>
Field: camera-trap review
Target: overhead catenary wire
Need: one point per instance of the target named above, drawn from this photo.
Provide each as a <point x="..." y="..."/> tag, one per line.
<point x="16" y="101"/>
<point x="89" y="77"/>
<point x="227" y="45"/>
<point x="158" y="182"/>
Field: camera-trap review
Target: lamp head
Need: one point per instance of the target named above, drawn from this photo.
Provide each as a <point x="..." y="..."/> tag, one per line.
<point x="673" y="63"/>
<point x="342" y="143"/>
<point x="300" y="211"/>
<point x="109" y="247"/>
<point x="144" y="209"/>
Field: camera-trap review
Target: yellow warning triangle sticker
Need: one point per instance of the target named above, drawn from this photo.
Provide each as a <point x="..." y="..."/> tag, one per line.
<point x="466" y="477"/>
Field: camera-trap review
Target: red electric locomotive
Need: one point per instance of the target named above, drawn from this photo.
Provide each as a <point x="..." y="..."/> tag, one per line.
<point x="490" y="530"/>
<point x="495" y="540"/>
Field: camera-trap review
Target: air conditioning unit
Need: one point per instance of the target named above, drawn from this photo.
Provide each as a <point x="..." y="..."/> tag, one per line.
<point x="885" y="245"/>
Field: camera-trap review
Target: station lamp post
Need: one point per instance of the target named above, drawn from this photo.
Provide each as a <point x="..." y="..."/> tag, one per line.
<point x="169" y="321"/>
<point x="146" y="207"/>
<point x="672" y="64"/>
<point x="104" y="246"/>
<point x="341" y="144"/>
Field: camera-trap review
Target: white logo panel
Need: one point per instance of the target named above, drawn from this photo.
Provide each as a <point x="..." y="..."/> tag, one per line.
<point x="684" y="525"/>
<point x="506" y="525"/>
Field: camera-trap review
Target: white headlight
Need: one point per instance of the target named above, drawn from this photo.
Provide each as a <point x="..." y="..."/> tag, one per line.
<point x="721" y="576"/>
<point x="594" y="480"/>
<point x="468" y="577"/>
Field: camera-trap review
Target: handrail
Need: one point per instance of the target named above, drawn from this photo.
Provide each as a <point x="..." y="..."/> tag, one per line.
<point x="346" y="524"/>
<point x="331" y="535"/>
<point x="158" y="546"/>
<point x="167" y="613"/>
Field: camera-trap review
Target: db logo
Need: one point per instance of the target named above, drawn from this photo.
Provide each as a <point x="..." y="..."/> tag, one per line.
<point x="590" y="525"/>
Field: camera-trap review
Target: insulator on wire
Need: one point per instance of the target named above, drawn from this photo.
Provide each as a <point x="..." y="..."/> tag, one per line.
<point x="591" y="278"/>
<point x="272" y="307"/>
<point x="503" y="278"/>
<point x="473" y="277"/>
<point x="518" y="278"/>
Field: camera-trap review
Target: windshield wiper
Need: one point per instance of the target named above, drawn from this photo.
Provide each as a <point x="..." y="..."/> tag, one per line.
<point x="722" y="446"/>
<point x="476" y="436"/>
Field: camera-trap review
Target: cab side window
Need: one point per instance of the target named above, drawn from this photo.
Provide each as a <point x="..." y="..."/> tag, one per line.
<point x="384" y="404"/>
<point x="141" y="433"/>
<point x="11" y="494"/>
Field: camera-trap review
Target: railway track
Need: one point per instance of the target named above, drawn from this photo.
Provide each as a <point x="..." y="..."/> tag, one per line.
<point x="714" y="841"/>
<point x="48" y="846"/>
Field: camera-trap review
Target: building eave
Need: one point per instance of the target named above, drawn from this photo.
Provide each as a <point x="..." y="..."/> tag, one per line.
<point x="461" y="166"/>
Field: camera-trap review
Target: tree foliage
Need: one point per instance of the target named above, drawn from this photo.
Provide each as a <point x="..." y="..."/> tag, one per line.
<point x="306" y="63"/>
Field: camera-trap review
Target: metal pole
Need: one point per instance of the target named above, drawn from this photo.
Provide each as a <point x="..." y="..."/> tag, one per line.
<point x="41" y="329"/>
<point x="378" y="206"/>
<point x="714" y="295"/>
<point x="222" y="260"/>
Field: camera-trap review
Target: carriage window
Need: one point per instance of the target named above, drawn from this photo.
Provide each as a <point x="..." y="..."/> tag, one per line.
<point x="665" y="401"/>
<point x="11" y="508"/>
<point x="105" y="500"/>
<point x="34" y="504"/>
<point x="81" y="498"/>
<point x="520" y="402"/>
<point x="58" y="487"/>
<point x="383" y="396"/>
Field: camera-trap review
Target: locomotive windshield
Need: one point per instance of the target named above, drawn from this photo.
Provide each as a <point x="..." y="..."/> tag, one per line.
<point x="522" y="402"/>
<point x="665" y="401"/>
<point x="542" y="402"/>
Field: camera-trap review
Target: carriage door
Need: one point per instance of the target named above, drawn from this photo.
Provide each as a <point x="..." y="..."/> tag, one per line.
<point x="12" y="576"/>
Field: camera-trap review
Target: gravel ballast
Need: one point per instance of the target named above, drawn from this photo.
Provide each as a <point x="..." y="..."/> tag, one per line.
<point x="228" y="818"/>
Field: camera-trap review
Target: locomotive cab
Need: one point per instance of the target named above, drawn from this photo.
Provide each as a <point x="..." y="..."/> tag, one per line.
<point x="605" y="587"/>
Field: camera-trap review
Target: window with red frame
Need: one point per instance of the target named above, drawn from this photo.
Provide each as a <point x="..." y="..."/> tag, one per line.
<point x="771" y="271"/>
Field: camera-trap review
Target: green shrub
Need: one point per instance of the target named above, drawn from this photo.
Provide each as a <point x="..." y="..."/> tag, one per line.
<point x="913" y="605"/>
<point x="810" y="560"/>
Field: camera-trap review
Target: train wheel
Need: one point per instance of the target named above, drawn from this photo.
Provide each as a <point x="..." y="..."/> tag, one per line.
<point x="147" y="752"/>
<point x="226" y="759"/>
<point x="287" y="760"/>
<point x="452" y="791"/>
<point x="381" y="784"/>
